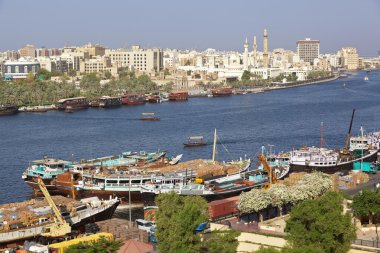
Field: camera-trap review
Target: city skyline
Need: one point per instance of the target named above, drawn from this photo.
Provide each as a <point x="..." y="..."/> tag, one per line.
<point x="197" y="25"/>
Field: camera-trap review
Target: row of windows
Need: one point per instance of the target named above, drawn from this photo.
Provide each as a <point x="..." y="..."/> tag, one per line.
<point x="17" y="69"/>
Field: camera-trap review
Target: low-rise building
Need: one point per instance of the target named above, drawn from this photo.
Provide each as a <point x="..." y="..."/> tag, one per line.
<point x="143" y="60"/>
<point x="20" y="69"/>
<point x="97" y="64"/>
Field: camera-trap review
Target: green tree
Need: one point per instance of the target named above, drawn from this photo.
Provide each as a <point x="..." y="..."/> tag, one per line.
<point x="177" y="218"/>
<point x="320" y="223"/>
<point x="246" y="76"/>
<point x="43" y="74"/>
<point x="366" y="204"/>
<point x="72" y="72"/>
<point x="167" y="87"/>
<point x="107" y="75"/>
<point x="101" y="246"/>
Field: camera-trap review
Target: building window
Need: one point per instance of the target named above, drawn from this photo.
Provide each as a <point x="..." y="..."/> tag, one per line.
<point x="25" y="69"/>
<point x="17" y="69"/>
<point x="9" y="69"/>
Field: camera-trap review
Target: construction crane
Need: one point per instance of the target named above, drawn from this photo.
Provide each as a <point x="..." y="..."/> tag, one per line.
<point x="346" y="146"/>
<point x="60" y="227"/>
<point x="271" y="174"/>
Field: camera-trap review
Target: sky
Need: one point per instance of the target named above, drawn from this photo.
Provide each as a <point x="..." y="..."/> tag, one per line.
<point x="191" y="24"/>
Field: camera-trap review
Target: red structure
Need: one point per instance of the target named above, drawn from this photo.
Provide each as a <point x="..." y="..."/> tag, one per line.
<point x="178" y="96"/>
<point x="223" y="208"/>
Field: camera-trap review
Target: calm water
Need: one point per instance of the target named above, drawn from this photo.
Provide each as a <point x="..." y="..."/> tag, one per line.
<point x="285" y="118"/>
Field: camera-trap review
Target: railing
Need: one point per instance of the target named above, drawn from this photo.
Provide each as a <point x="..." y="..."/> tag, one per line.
<point x="367" y="243"/>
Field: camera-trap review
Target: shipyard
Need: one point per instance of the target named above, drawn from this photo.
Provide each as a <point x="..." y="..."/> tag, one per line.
<point x="189" y="127"/>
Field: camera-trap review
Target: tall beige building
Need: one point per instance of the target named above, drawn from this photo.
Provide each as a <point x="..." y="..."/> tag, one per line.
<point x="349" y="58"/>
<point x="144" y="60"/>
<point x="97" y="64"/>
<point x="92" y="50"/>
<point x="308" y="50"/>
<point x="28" y="51"/>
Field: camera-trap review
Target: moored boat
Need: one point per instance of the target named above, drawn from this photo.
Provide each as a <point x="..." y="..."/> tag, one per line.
<point x="27" y="220"/>
<point x="178" y="96"/>
<point x="133" y="99"/>
<point x="48" y="169"/>
<point x="221" y="92"/>
<point x="8" y="110"/>
<point x="76" y="103"/>
<point x="108" y="102"/>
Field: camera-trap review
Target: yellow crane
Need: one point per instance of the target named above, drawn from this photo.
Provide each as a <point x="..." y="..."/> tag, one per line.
<point x="60" y="226"/>
<point x="268" y="169"/>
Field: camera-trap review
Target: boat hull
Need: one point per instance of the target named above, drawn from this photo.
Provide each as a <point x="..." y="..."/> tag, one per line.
<point x="148" y="198"/>
<point x="20" y="235"/>
<point x="343" y="167"/>
<point x="195" y="144"/>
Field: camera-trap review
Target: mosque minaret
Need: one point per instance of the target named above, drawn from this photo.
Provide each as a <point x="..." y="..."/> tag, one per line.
<point x="265" y="50"/>
<point x="245" y="55"/>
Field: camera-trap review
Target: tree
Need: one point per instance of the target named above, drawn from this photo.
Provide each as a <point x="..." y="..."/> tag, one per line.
<point x="221" y="242"/>
<point x="177" y="218"/>
<point x="320" y="223"/>
<point x="246" y="77"/>
<point x="101" y="246"/>
<point x="107" y="75"/>
<point x="43" y="74"/>
<point x="167" y="87"/>
<point x="72" y="72"/>
<point x="366" y="204"/>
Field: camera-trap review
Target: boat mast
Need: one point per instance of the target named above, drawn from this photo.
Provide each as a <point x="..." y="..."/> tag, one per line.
<point x="214" y="147"/>
<point x="322" y="134"/>
<point x="361" y="164"/>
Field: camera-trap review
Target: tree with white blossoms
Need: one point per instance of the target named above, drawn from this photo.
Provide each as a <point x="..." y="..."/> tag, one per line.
<point x="310" y="186"/>
<point x="254" y="201"/>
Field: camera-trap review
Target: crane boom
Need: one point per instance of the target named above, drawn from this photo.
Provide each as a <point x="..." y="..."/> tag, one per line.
<point x="268" y="169"/>
<point x="60" y="226"/>
<point x="48" y="198"/>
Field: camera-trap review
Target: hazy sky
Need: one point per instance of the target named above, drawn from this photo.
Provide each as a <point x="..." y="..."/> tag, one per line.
<point x="186" y="24"/>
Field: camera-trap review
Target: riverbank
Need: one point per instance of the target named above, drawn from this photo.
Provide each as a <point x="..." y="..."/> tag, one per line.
<point x="302" y="83"/>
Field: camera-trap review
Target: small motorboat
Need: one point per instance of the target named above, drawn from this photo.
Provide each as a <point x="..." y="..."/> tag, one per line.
<point x="195" y="141"/>
<point x="149" y="116"/>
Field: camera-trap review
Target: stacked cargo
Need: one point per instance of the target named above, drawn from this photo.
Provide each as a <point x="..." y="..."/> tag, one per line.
<point x="223" y="208"/>
<point x="292" y="179"/>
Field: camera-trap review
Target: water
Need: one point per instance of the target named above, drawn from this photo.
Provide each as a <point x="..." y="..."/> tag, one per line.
<point x="287" y="119"/>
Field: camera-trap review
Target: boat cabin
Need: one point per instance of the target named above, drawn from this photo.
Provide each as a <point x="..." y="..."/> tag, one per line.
<point x="194" y="141"/>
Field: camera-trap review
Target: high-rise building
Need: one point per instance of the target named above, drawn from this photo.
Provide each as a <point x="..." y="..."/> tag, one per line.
<point x="265" y="50"/>
<point x="308" y="50"/>
<point x="28" y="51"/>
